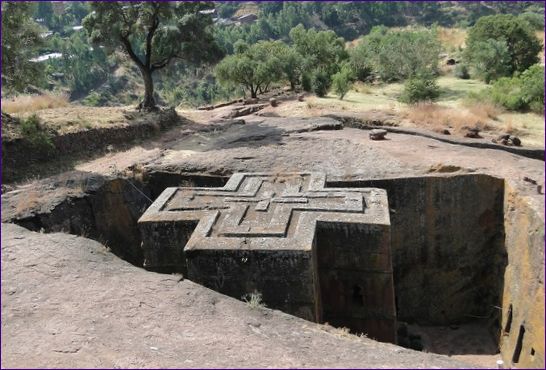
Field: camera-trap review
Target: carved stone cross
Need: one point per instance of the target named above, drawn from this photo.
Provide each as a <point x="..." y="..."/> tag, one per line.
<point x="319" y="253"/>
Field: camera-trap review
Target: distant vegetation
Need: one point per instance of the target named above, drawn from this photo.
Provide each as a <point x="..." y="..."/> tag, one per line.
<point x="168" y="53"/>
<point x="498" y="46"/>
<point x="521" y="92"/>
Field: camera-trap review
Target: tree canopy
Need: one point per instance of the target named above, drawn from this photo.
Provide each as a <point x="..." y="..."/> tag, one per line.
<point x="322" y="50"/>
<point x="153" y="34"/>
<point x="522" y="46"/>
<point x="20" y="41"/>
<point x="254" y="67"/>
<point x="398" y="55"/>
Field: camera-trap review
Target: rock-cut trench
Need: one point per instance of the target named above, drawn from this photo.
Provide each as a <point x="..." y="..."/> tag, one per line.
<point x="447" y="242"/>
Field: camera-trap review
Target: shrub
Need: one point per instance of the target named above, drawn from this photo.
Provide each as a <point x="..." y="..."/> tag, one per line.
<point x="320" y="83"/>
<point x="461" y="71"/>
<point x="532" y="81"/>
<point x="420" y="89"/>
<point x="254" y="300"/>
<point x="507" y="92"/>
<point x="33" y="131"/>
<point x="519" y="93"/>
<point x="360" y="63"/>
<point x="343" y="81"/>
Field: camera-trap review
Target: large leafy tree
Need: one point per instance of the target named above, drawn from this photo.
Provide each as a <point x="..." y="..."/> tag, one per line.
<point x="398" y="55"/>
<point x="322" y="50"/>
<point x="516" y="33"/>
<point x="490" y="59"/>
<point x="153" y="35"/>
<point x="20" y="43"/>
<point x="254" y="67"/>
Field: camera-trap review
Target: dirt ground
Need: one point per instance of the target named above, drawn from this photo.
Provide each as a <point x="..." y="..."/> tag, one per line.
<point x="69" y="303"/>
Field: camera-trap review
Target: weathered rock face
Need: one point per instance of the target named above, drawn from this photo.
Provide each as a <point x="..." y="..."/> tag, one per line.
<point x="447" y="245"/>
<point x="107" y="210"/>
<point x="522" y="340"/>
<point x="321" y="254"/>
<point x="447" y="240"/>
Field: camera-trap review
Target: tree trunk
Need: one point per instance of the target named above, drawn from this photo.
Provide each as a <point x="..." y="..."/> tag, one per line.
<point x="149" y="102"/>
<point x="253" y="92"/>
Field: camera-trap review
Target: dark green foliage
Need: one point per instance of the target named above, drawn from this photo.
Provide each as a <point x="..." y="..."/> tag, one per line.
<point x="292" y="64"/>
<point x="20" y="43"/>
<point x="306" y="82"/>
<point x="257" y="66"/>
<point x="33" y="132"/>
<point x="397" y="55"/>
<point x="507" y="92"/>
<point x="226" y="9"/>
<point x="502" y="36"/>
<point x="60" y="17"/>
<point x="520" y="93"/>
<point x="532" y="81"/>
<point x="193" y="86"/>
<point x="320" y="83"/>
<point x="418" y="89"/>
<point x="461" y="71"/>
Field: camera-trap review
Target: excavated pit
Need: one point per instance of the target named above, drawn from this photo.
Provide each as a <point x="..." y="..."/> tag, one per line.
<point x="447" y="242"/>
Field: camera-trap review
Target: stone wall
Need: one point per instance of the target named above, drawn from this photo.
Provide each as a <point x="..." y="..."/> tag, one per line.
<point x="522" y="341"/>
<point x="447" y="245"/>
<point x="355" y="282"/>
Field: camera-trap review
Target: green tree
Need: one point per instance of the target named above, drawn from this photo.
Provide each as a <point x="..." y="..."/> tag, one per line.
<point x="343" y="81"/>
<point x="254" y="67"/>
<point x="360" y="63"/>
<point x="520" y="92"/>
<point x="153" y="34"/>
<point x="521" y="43"/>
<point x="322" y="50"/>
<point x="292" y="64"/>
<point x="490" y="59"/>
<point x="20" y="43"/>
<point x="398" y="55"/>
<point x="320" y="83"/>
<point x="84" y="67"/>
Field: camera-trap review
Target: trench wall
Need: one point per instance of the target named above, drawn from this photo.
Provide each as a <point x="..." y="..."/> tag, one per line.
<point x="522" y="340"/>
<point x="447" y="245"/>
